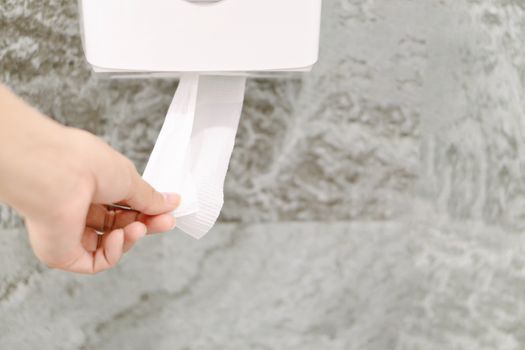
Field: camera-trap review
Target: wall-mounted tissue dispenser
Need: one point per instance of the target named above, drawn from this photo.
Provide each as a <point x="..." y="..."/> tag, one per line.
<point x="211" y="45"/>
<point x="201" y="36"/>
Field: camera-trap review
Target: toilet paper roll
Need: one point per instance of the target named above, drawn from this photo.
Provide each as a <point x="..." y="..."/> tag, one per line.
<point x="193" y="149"/>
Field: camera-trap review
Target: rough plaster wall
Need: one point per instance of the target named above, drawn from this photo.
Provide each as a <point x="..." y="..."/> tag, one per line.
<point x="413" y="117"/>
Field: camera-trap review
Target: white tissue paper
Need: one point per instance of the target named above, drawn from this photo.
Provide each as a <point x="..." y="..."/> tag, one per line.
<point x="194" y="147"/>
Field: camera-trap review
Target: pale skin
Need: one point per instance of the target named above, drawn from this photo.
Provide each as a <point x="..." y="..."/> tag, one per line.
<point x="59" y="178"/>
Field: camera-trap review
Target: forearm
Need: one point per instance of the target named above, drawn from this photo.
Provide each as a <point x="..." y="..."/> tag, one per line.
<point x="23" y="133"/>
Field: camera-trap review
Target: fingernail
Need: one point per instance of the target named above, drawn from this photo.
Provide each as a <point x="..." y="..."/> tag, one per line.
<point x="172" y="198"/>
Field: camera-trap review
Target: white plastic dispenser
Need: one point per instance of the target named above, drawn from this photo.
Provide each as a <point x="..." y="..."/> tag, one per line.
<point x="196" y="36"/>
<point x="212" y="46"/>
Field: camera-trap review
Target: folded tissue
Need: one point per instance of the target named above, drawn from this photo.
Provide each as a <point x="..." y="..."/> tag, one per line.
<point x="194" y="147"/>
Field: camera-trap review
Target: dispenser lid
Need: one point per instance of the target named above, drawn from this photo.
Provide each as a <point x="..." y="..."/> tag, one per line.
<point x="189" y="36"/>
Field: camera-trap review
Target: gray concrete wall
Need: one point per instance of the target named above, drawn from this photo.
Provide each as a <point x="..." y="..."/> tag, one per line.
<point x="384" y="208"/>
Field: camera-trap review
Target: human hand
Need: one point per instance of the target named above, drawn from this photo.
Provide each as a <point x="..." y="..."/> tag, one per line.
<point x="59" y="179"/>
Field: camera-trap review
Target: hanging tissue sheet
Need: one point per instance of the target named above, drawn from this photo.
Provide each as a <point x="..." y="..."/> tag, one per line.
<point x="194" y="147"/>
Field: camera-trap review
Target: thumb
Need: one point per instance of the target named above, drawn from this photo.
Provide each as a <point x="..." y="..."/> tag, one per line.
<point x="117" y="180"/>
<point x="144" y="198"/>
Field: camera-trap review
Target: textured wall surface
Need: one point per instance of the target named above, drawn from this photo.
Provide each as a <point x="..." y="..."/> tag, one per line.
<point x="383" y="209"/>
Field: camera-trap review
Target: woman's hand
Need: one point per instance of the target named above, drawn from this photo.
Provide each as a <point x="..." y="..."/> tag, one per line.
<point x="59" y="179"/>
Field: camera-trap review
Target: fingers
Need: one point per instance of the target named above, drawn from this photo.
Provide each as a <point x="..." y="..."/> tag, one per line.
<point x="93" y="257"/>
<point x="113" y="245"/>
<point x="159" y="223"/>
<point x="90" y="240"/>
<point x="132" y="233"/>
<point x="109" y="253"/>
<point x="102" y="219"/>
<point x="90" y="253"/>
<point x="146" y="199"/>
<point x="102" y="258"/>
<point x="98" y="218"/>
<point x="117" y="179"/>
